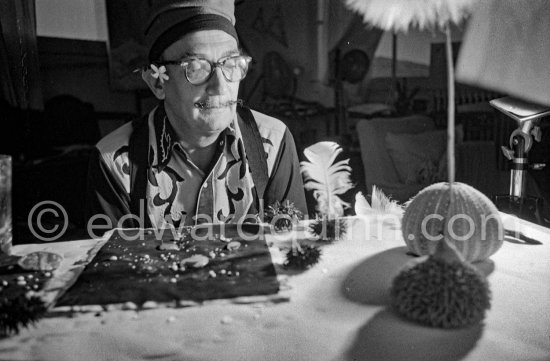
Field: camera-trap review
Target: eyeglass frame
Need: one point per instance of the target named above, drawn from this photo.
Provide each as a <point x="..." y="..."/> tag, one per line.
<point x="213" y="66"/>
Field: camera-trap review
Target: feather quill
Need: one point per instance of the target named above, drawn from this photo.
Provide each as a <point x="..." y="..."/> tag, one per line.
<point x="380" y="204"/>
<point x="326" y="178"/>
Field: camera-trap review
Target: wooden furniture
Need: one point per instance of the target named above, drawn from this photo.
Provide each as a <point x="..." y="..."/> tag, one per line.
<point x="476" y="158"/>
<point x="379" y="168"/>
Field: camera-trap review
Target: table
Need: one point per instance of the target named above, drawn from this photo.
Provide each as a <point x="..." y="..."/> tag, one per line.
<point x="337" y="310"/>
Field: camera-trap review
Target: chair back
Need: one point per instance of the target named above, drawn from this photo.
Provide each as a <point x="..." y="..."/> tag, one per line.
<point x="378" y="166"/>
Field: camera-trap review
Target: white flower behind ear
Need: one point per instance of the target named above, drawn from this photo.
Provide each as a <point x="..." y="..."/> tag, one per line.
<point x="159" y="73"/>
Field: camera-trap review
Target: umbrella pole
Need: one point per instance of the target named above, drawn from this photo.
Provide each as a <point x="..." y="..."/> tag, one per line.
<point x="450" y="106"/>
<point x="450" y="126"/>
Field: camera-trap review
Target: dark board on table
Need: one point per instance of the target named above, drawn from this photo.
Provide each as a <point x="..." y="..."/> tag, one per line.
<point x="138" y="271"/>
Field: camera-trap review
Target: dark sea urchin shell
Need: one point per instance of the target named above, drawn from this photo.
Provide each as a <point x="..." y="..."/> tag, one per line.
<point x="329" y="229"/>
<point x="303" y="258"/>
<point x="19" y="311"/>
<point x="441" y="294"/>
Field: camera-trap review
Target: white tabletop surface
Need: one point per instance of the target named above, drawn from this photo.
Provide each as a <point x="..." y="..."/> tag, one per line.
<point x="337" y="310"/>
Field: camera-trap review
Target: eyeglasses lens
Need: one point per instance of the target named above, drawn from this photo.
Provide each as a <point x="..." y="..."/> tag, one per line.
<point x="234" y="69"/>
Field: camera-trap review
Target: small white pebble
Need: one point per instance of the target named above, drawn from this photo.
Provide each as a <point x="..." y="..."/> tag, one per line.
<point x="150" y="305"/>
<point x="173" y="280"/>
<point x="222" y="254"/>
<point x="20" y="278"/>
<point x="174" y="267"/>
<point x="212" y="274"/>
<point x="223" y="271"/>
<point x="227" y="320"/>
<point x="171" y="319"/>
<point x="92" y="308"/>
<point x="233" y="246"/>
<point x="129" y="306"/>
<point x="113" y="258"/>
<point x="4" y="283"/>
<point x="212" y="254"/>
<point x="146" y="256"/>
<point x="237" y="273"/>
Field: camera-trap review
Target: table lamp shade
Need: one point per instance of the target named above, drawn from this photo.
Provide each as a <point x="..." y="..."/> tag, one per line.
<point x="400" y="15"/>
<point x="506" y="48"/>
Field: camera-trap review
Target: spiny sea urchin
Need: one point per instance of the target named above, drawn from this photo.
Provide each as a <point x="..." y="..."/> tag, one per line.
<point x="19" y="311"/>
<point x="282" y="215"/>
<point x="441" y="291"/>
<point x="302" y="257"/>
<point x="329" y="230"/>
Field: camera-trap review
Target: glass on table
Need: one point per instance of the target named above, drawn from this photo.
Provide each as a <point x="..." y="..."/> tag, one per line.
<point x="5" y="204"/>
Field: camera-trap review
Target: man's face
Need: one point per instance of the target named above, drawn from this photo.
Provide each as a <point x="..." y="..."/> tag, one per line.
<point x="181" y="96"/>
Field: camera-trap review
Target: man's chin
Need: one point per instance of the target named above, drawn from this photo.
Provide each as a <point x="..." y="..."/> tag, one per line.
<point x="217" y="119"/>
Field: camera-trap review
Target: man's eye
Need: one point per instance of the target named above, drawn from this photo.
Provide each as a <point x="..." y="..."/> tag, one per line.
<point x="231" y="62"/>
<point x="194" y="66"/>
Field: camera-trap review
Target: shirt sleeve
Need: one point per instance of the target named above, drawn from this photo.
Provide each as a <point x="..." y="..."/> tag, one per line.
<point x="106" y="199"/>
<point x="286" y="181"/>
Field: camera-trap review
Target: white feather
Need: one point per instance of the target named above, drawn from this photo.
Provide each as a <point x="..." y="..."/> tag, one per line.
<point x="326" y="178"/>
<point x="380" y="204"/>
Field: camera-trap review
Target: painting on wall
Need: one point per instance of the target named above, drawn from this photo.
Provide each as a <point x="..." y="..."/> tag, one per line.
<point x="126" y="20"/>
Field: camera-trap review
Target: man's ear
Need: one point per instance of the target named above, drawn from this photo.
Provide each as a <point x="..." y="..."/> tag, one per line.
<point x="153" y="83"/>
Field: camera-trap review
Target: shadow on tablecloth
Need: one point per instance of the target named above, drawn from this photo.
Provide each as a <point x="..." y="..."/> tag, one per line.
<point x="370" y="281"/>
<point x="388" y="337"/>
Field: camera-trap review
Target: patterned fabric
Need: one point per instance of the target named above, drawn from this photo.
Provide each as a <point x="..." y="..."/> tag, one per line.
<point x="179" y="192"/>
<point x="174" y="181"/>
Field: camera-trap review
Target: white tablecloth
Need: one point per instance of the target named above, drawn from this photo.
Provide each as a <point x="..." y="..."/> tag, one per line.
<point x="338" y="310"/>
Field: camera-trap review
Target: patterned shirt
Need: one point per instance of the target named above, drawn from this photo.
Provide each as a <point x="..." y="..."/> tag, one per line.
<point x="179" y="192"/>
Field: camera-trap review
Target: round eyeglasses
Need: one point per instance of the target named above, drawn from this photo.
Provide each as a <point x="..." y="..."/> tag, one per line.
<point x="198" y="70"/>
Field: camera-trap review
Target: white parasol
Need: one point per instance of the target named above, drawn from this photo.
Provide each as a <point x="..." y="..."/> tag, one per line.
<point x="400" y="15"/>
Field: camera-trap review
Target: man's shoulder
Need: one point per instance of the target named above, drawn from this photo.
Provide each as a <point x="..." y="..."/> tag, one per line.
<point x="120" y="137"/>
<point x="116" y="139"/>
<point x="269" y="126"/>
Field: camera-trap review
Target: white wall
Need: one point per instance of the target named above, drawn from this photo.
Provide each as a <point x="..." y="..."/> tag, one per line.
<point x="415" y="45"/>
<point x="74" y="19"/>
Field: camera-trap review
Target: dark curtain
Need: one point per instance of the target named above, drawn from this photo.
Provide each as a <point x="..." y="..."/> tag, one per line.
<point x="19" y="67"/>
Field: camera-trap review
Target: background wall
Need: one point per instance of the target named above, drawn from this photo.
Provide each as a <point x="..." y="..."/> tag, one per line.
<point x="86" y="20"/>
<point x="73" y="19"/>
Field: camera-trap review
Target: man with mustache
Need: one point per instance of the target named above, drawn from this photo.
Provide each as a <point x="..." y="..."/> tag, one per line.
<point x="198" y="156"/>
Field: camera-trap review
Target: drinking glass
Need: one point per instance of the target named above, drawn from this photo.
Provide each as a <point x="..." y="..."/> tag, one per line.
<point x="5" y="204"/>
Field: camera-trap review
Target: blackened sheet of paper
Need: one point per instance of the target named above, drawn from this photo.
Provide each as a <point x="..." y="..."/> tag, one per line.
<point x="138" y="271"/>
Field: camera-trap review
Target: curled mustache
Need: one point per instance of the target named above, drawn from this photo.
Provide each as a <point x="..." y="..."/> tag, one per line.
<point x="216" y="104"/>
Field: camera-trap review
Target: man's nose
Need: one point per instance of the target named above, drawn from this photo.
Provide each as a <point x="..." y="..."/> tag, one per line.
<point x="217" y="84"/>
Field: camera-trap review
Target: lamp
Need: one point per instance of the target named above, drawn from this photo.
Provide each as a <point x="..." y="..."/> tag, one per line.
<point x="506" y="48"/>
<point x="527" y="115"/>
